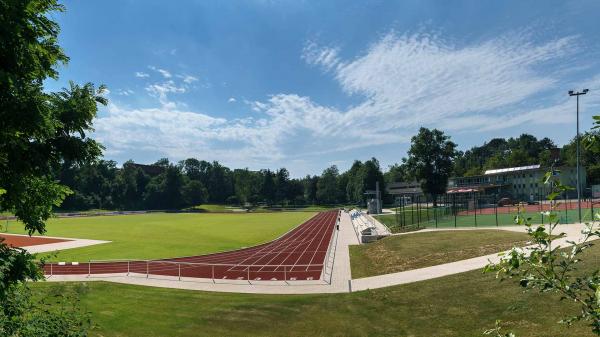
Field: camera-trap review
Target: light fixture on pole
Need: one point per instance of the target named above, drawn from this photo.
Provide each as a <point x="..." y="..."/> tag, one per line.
<point x="577" y="94"/>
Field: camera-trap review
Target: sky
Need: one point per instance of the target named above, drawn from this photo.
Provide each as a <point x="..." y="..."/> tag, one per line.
<point x="309" y="84"/>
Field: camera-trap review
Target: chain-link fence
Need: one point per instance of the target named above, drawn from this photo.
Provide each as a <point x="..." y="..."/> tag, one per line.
<point x="478" y="210"/>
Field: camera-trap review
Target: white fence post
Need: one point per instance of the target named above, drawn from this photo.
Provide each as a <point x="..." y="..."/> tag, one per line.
<point x="213" y="272"/>
<point x="128" y="267"/>
<point x="147" y="268"/>
<point x="89" y="268"/>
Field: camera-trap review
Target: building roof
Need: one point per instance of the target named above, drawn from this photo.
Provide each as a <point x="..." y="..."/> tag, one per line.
<point x="512" y="169"/>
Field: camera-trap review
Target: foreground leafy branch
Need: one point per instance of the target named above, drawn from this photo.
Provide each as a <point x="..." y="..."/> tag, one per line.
<point x="549" y="267"/>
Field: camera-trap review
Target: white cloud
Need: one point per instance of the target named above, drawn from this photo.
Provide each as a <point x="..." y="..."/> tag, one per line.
<point x="141" y="74"/>
<point x="188" y="78"/>
<point x="401" y="82"/>
<point x="163" y="72"/>
<point x="125" y="92"/>
<point x="327" y="57"/>
<point x="231" y="100"/>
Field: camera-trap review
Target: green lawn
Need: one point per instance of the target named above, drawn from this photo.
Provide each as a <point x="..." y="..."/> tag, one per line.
<point x="160" y="235"/>
<point x="461" y="305"/>
<point x="217" y="208"/>
<point x="405" y="252"/>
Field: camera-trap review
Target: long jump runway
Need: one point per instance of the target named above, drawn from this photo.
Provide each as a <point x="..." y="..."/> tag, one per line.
<point x="297" y="255"/>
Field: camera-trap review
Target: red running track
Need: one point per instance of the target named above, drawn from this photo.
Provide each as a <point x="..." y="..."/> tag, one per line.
<point x="297" y="255"/>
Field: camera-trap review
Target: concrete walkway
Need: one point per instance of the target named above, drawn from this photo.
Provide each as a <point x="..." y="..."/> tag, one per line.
<point x="340" y="280"/>
<point x="69" y="243"/>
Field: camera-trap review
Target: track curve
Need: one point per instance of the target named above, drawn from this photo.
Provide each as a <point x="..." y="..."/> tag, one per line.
<point x="297" y="255"/>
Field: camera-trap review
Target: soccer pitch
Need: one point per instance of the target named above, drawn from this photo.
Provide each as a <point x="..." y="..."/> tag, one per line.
<point x="163" y="235"/>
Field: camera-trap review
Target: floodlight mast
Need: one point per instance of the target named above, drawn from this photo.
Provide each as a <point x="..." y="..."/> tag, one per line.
<point x="577" y="94"/>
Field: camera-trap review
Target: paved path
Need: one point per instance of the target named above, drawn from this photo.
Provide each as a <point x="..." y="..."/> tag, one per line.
<point x="68" y="243"/>
<point x="341" y="281"/>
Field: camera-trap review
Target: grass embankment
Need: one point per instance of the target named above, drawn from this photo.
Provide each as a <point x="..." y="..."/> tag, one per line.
<point x="461" y="305"/>
<point x="161" y="235"/>
<point x="405" y="252"/>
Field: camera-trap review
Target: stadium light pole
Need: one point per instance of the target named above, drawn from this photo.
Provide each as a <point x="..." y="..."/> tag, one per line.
<point x="577" y="94"/>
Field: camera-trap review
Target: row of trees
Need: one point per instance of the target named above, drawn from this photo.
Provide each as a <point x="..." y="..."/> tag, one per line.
<point x="191" y="182"/>
<point x="431" y="160"/>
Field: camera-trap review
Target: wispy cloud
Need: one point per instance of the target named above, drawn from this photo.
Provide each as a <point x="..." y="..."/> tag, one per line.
<point x="125" y="92"/>
<point x="231" y="100"/>
<point x="401" y="82"/>
<point x="188" y="78"/>
<point x="141" y="74"/>
<point x="163" y="72"/>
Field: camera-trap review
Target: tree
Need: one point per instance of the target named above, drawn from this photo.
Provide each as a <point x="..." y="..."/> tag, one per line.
<point x="194" y="193"/>
<point x="165" y="190"/>
<point x="397" y="173"/>
<point x="430" y="159"/>
<point x="355" y="188"/>
<point x="282" y="181"/>
<point x="38" y="132"/>
<point x="371" y="175"/>
<point x="327" y="186"/>
<point x="220" y="182"/>
<point x="247" y="185"/>
<point x="268" y="189"/>
<point x="310" y="188"/>
<point x="129" y="187"/>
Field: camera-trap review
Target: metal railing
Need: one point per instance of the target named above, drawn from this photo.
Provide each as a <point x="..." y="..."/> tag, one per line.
<point x="331" y="250"/>
<point x="212" y="271"/>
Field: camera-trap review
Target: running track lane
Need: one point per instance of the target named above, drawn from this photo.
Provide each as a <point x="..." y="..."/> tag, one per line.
<point x="297" y="255"/>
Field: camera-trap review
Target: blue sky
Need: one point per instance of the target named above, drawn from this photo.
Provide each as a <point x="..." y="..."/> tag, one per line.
<point x="304" y="85"/>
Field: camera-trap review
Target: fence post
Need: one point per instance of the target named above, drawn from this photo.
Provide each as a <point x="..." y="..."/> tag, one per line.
<point x="475" y="208"/>
<point x="179" y="271"/>
<point x="454" y="208"/>
<point x="89" y="268"/>
<point x="147" y="268"/>
<point x="566" y="211"/>
<point x="213" y="272"/>
<point x="51" y="269"/>
<point x="435" y="213"/>
<point x="412" y="213"/>
<point x="403" y="212"/>
<point x="419" y="210"/>
<point x="496" y="208"/>
<point x="248" y="274"/>
<point x="285" y="273"/>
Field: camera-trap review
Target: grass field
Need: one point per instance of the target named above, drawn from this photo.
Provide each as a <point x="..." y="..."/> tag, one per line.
<point x="419" y="250"/>
<point x="160" y="235"/>
<point x="216" y="208"/>
<point x="461" y="305"/>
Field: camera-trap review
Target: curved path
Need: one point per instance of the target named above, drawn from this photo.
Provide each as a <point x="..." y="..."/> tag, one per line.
<point x="297" y="255"/>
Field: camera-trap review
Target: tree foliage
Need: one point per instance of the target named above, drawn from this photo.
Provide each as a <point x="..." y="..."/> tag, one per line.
<point x="430" y="160"/>
<point x="501" y="153"/>
<point x="39" y="132"/>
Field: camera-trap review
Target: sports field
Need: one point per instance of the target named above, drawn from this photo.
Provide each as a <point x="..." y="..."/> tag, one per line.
<point x="165" y="235"/>
<point x="297" y="255"/>
<point x="483" y="218"/>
